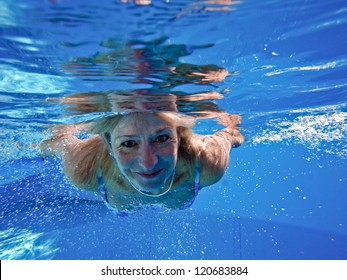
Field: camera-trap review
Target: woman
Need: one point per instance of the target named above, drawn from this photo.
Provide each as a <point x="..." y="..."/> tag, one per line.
<point x="146" y="158"/>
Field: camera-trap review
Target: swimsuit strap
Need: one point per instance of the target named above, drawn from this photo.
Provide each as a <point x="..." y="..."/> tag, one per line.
<point x="102" y="190"/>
<point x="101" y="186"/>
<point x="196" y="188"/>
<point x="197" y="180"/>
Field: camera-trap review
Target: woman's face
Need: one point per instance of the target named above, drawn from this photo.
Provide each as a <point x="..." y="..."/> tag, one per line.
<point x="145" y="148"/>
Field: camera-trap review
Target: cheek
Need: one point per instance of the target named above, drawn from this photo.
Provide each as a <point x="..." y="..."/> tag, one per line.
<point x="169" y="153"/>
<point x="124" y="160"/>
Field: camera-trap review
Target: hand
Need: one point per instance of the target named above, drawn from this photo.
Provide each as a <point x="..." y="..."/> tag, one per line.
<point x="210" y="76"/>
<point x="230" y="120"/>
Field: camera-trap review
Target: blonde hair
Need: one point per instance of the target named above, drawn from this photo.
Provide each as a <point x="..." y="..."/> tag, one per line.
<point x="108" y="124"/>
<point x="100" y="154"/>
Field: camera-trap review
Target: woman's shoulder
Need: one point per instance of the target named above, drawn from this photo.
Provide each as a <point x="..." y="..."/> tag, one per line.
<point x="82" y="162"/>
<point x="211" y="157"/>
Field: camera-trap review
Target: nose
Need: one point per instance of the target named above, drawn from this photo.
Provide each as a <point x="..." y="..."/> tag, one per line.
<point x="148" y="157"/>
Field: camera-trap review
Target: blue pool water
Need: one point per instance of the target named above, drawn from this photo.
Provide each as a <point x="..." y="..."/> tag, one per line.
<point x="285" y="191"/>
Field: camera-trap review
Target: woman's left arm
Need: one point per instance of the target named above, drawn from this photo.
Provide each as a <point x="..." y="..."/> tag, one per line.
<point x="213" y="151"/>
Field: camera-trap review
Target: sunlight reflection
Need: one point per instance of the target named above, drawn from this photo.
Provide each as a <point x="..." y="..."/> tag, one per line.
<point x="26" y="244"/>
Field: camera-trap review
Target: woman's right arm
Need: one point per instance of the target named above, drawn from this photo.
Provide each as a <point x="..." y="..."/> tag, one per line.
<point x="80" y="158"/>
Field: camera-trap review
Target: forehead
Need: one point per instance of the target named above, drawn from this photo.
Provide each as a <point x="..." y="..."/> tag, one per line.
<point x="142" y="124"/>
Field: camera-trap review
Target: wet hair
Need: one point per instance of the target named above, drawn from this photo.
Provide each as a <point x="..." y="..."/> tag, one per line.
<point x="105" y="126"/>
<point x="108" y="124"/>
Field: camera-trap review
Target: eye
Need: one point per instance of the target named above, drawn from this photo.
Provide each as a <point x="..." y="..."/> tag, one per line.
<point x="163" y="138"/>
<point x="129" y="144"/>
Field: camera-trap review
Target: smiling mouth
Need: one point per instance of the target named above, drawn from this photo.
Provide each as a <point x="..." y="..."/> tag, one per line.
<point x="149" y="175"/>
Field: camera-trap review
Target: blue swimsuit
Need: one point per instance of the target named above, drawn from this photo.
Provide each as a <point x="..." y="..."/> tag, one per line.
<point x="102" y="190"/>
